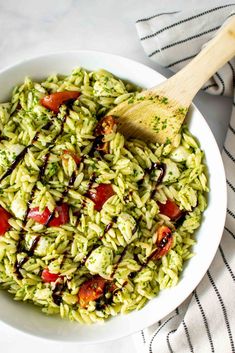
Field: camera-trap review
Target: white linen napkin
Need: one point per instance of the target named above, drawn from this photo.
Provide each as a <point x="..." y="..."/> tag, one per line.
<point x="205" y="322"/>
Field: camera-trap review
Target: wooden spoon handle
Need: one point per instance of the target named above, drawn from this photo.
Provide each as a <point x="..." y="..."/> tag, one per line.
<point x="184" y="85"/>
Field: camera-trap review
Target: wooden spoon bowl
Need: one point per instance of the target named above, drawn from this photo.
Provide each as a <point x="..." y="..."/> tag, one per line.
<point x="157" y="114"/>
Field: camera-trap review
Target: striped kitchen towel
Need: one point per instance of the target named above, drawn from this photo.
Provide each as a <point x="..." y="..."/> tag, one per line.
<point x="205" y="322"/>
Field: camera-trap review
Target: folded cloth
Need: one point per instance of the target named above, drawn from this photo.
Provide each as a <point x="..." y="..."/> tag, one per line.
<point x="205" y="322"/>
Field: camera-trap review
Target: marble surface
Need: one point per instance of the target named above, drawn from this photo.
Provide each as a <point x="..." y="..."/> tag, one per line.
<point x="29" y="28"/>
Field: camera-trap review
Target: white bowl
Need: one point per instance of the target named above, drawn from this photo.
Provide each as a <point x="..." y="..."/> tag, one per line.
<point x="28" y="318"/>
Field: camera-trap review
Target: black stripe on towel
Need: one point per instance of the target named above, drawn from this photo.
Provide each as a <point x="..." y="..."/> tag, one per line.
<point x="222" y="82"/>
<point x="233" y="71"/>
<point x="143" y="336"/>
<point x="155" y="334"/>
<point x="157" y="15"/>
<point x="209" y="86"/>
<point x="229" y="154"/>
<point x="184" y="40"/>
<point x="205" y="321"/>
<point x="231" y="128"/>
<point x="188" y="337"/>
<point x="226" y="263"/>
<point x="223" y="310"/>
<point x="231" y="213"/>
<point x="231" y="186"/>
<point x="229" y="231"/>
<point x="181" y="61"/>
<point x="185" y="20"/>
<point x="168" y="340"/>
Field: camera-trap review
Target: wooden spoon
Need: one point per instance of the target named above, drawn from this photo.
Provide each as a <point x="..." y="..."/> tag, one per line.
<point x="157" y="114"/>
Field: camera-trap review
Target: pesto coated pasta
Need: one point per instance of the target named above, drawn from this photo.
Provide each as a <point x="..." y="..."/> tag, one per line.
<point x="91" y="224"/>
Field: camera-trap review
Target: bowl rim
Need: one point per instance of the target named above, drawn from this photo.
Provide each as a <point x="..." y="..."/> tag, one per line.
<point x="131" y="330"/>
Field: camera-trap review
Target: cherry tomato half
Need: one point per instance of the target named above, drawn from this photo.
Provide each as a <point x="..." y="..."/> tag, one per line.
<point x="49" y="277"/>
<point x="100" y="195"/>
<point x="61" y="215"/>
<point x="170" y="209"/>
<point x="164" y="241"/>
<point x="4" y="217"/>
<point x="91" y="290"/>
<point x="76" y="159"/>
<point x="55" y="100"/>
<point x="105" y="126"/>
<point x="39" y="217"/>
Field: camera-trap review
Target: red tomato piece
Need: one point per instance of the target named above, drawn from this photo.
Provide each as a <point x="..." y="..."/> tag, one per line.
<point x="100" y="195"/>
<point x="4" y="217"/>
<point x="91" y="290"/>
<point x="105" y="126"/>
<point x="49" y="277"/>
<point x="61" y="216"/>
<point x="170" y="209"/>
<point x="55" y="100"/>
<point x="164" y="241"/>
<point x="39" y="217"/>
<point x="76" y="159"/>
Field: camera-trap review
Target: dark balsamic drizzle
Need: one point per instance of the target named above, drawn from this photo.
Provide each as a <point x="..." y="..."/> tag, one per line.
<point x="15" y="163"/>
<point x="18" y="266"/>
<point x="107" y="228"/>
<point x="97" y="142"/>
<point x="86" y="195"/>
<point x="161" y="245"/>
<point x="59" y="287"/>
<point x="136" y="258"/>
<point x="134" y="230"/>
<point x="100" y="305"/>
<point x="57" y="292"/>
<point x="179" y="221"/>
<point x="91" y="182"/>
<point x="103" y="301"/>
<point x="33" y="246"/>
<point x="22" y="154"/>
<point x="30" y="252"/>
<point x="72" y="179"/>
<point x="115" y="267"/>
<point x="148" y="171"/>
<point x="64" y="194"/>
<point x="162" y="168"/>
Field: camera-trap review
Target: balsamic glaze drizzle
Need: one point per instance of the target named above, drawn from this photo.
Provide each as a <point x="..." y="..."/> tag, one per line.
<point x="107" y="228"/>
<point x="102" y="302"/>
<point x="97" y="142"/>
<point x="33" y="246"/>
<point x="41" y="173"/>
<point x="115" y="267"/>
<point x="57" y="292"/>
<point x="91" y="181"/>
<point x="59" y="287"/>
<point x="23" y="153"/>
<point x="15" y="163"/>
<point x="18" y="266"/>
<point x="134" y="230"/>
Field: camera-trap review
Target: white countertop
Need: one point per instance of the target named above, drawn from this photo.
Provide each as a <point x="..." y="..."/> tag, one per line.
<point x="29" y="28"/>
